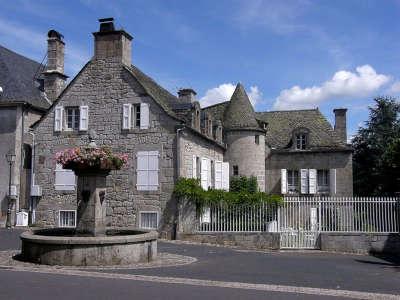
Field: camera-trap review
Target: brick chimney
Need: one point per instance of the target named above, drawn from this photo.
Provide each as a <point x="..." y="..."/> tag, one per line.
<point x="340" y="123"/>
<point x="54" y="77"/>
<point x="187" y="95"/>
<point x="111" y="43"/>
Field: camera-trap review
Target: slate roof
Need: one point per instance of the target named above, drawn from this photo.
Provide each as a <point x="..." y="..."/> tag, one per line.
<point x="17" y="80"/>
<point x="164" y="98"/>
<point x="280" y="126"/>
<point x="217" y="111"/>
<point x="240" y="114"/>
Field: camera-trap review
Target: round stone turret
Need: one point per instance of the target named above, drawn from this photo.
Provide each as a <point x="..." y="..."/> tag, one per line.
<point x="245" y="138"/>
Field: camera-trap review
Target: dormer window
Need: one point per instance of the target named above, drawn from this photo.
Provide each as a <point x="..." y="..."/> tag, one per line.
<point x="301" y="141"/>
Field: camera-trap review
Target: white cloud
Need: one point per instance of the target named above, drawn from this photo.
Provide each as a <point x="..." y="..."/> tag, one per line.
<point x="344" y="83"/>
<point x="224" y="92"/>
<point x="394" y="88"/>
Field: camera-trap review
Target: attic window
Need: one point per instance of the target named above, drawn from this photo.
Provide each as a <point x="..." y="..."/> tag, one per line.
<point x="301" y="141"/>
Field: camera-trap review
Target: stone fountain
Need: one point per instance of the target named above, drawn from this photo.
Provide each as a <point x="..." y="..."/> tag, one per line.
<point x="90" y="243"/>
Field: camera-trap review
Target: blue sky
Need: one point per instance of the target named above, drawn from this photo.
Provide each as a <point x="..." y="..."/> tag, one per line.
<point x="288" y="54"/>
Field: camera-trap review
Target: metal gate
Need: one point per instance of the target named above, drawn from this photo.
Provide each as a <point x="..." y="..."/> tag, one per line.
<point x="298" y="220"/>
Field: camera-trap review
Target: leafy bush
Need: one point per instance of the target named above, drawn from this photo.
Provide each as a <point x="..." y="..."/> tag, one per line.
<point x="243" y="184"/>
<point x="190" y="189"/>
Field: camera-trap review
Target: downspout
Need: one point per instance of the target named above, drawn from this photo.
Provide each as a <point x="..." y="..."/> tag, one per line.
<point x="178" y="150"/>
<point x="178" y="173"/>
<point x="31" y="204"/>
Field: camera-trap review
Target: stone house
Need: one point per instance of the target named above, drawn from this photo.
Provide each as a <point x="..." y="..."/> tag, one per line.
<point x="167" y="137"/>
<point x="22" y="102"/>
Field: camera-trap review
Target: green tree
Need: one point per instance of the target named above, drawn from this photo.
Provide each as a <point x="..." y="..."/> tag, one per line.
<point x="376" y="147"/>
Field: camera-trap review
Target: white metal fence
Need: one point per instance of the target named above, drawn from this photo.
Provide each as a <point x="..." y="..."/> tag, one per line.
<point x="306" y="214"/>
<point x="238" y="218"/>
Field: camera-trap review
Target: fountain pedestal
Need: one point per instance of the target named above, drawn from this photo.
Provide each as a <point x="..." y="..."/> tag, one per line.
<point x="91" y="195"/>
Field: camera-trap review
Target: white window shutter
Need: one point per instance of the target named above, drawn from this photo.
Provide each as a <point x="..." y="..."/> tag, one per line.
<point x="304" y="181"/>
<point x="144" y="116"/>
<point x="153" y="170"/>
<point x="58" y="118"/>
<point x="126" y="116"/>
<point x="312" y="181"/>
<point x="332" y="181"/>
<point x="194" y="167"/>
<point x="283" y="181"/>
<point x="209" y="176"/>
<point x="204" y="173"/>
<point x="65" y="180"/>
<point x="225" y="176"/>
<point x="83" y="118"/>
<point x="147" y="170"/>
<point x="218" y="175"/>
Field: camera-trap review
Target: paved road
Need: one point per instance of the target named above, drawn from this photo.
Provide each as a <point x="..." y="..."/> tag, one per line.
<point x="219" y="273"/>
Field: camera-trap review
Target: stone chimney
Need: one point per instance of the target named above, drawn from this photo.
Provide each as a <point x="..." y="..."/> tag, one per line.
<point x="340" y="123"/>
<point x="111" y="43"/>
<point x="54" y="77"/>
<point x="187" y="95"/>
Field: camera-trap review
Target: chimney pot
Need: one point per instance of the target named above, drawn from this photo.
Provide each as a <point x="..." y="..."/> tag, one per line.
<point x="112" y="44"/>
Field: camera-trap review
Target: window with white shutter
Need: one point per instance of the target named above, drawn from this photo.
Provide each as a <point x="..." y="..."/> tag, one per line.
<point x="84" y="117"/>
<point x="147" y="170"/>
<point x="225" y="176"/>
<point x="58" y="118"/>
<point x="144" y="116"/>
<point x="312" y="181"/>
<point x="332" y="181"/>
<point x="304" y="181"/>
<point x="65" y="180"/>
<point x="126" y="116"/>
<point x="204" y="173"/>
<point x="218" y="175"/>
<point x="283" y="181"/>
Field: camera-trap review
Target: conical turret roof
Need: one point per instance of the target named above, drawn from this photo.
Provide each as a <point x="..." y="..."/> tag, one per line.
<point x="240" y="113"/>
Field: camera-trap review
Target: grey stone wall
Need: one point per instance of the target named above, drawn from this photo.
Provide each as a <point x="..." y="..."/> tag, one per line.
<point x="362" y="243"/>
<point x="295" y="160"/>
<point x="249" y="240"/>
<point x="191" y="144"/>
<point x="105" y="86"/>
<point x="8" y="117"/>
<point x="246" y="154"/>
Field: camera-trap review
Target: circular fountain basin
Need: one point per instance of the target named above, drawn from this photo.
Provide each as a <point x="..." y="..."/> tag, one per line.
<point x="60" y="246"/>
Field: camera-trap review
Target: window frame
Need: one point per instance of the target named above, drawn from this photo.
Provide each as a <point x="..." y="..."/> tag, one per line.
<point x="235" y="170"/>
<point x="66" y="211"/>
<point x="325" y="186"/>
<point x="149" y="212"/>
<point x="136" y="113"/>
<point x="292" y="184"/>
<point x="75" y="118"/>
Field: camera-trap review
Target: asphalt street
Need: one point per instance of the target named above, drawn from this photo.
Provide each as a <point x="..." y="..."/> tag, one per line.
<point x="302" y="270"/>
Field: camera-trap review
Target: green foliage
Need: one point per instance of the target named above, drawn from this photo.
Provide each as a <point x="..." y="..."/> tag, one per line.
<point x="190" y="189"/>
<point x="243" y="184"/>
<point x="376" y="159"/>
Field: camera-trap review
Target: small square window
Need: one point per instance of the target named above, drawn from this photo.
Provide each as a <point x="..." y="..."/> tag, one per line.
<point x="257" y="139"/>
<point x="72" y="118"/>
<point x="148" y="219"/>
<point x="301" y="141"/>
<point x="67" y="218"/>
<point x="235" y="170"/>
